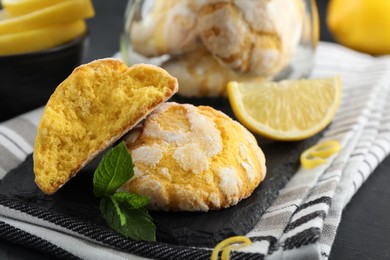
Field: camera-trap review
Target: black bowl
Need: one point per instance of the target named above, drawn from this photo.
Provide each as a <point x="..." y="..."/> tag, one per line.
<point x="27" y="80"/>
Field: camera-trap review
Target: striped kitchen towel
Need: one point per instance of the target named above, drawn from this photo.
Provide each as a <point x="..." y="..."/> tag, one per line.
<point x="300" y="224"/>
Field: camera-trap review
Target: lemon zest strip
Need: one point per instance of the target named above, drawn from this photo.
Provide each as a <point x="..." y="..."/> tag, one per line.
<point x="317" y="154"/>
<point x="225" y="246"/>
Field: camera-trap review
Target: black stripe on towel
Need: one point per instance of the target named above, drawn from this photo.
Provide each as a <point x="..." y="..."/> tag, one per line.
<point x="383" y="149"/>
<point x="385" y="120"/>
<point x="308" y="236"/>
<point x="18" y="236"/>
<point x="362" y="146"/>
<point x="302" y="220"/>
<point x="354" y="187"/>
<point x="385" y="131"/>
<point x="324" y="254"/>
<point x="362" y="175"/>
<point x="369" y="165"/>
<point x="358" y="154"/>
<point x="273" y="246"/>
<point x="243" y="256"/>
<point x="284" y="207"/>
<point x="326" y="178"/>
<point x="324" y="199"/>
<point x="375" y="156"/>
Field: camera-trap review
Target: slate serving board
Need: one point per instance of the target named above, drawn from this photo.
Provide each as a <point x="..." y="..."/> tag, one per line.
<point x="76" y="200"/>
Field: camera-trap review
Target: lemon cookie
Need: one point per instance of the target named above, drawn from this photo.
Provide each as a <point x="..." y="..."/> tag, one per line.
<point x="189" y="158"/>
<point x="97" y="104"/>
<point x="169" y="28"/>
<point x="256" y="37"/>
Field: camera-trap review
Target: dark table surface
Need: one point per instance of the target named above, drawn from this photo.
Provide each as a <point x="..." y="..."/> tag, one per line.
<point x="364" y="231"/>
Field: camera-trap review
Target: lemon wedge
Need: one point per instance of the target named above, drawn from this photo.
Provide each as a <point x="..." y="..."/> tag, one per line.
<point x="41" y="39"/>
<point x="21" y="7"/>
<point x="288" y="110"/>
<point x="65" y="12"/>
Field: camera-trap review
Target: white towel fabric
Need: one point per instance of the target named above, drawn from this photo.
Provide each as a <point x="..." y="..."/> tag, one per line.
<point x="300" y="224"/>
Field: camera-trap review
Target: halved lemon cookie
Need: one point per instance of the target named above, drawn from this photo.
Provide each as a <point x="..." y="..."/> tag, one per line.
<point x="97" y="104"/>
<point x="189" y="158"/>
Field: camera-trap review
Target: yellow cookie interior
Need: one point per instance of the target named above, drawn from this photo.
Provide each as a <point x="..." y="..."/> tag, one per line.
<point x="92" y="108"/>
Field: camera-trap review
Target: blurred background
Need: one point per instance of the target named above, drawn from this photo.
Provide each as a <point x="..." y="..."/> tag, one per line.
<point x="360" y="24"/>
<point x="111" y="30"/>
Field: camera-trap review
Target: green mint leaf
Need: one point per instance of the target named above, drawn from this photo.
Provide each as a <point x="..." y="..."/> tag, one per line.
<point x="122" y="217"/>
<point x="138" y="223"/>
<point x="114" y="170"/>
<point x="109" y="210"/>
<point x="134" y="201"/>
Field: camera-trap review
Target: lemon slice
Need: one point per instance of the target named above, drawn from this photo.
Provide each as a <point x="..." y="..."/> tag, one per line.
<point x="20" y="7"/>
<point x="64" y="12"/>
<point x="41" y="39"/>
<point x="286" y="110"/>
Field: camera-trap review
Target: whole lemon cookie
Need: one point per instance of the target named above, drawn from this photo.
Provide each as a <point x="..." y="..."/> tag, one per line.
<point x="97" y="104"/>
<point x="169" y="28"/>
<point x="189" y="158"/>
<point x="256" y="37"/>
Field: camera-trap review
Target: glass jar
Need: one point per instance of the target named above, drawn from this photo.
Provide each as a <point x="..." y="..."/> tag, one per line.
<point x="207" y="43"/>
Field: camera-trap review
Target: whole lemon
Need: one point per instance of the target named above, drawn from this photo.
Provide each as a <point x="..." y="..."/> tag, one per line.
<point x="363" y="25"/>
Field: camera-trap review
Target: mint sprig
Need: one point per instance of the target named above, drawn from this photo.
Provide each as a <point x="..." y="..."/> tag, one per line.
<point x="124" y="212"/>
